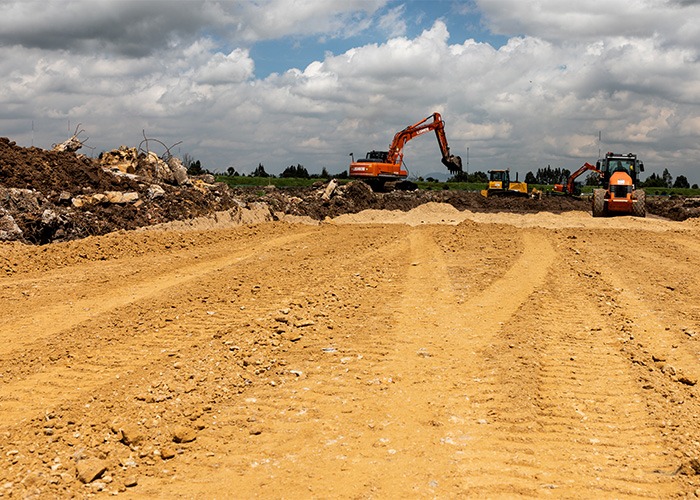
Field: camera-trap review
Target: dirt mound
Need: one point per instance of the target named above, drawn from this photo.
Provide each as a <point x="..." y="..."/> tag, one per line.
<point x="357" y="196"/>
<point x="674" y="207"/>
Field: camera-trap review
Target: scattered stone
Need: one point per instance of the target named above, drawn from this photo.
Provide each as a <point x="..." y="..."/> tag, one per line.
<point x="690" y="468"/>
<point x="668" y="370"/>
<point x="292" y="337"/>
<point x="166" y="453"/>
<point x="182" y="434"/>
<point x="131" y="481"/>
<point x="9" y="230"/>
<point x="304" y="323"/>
<point x="90" y="469"/>
<point x="132" y="434"/>
<point x="329" y="190"/>
<point x="155" y="191"/>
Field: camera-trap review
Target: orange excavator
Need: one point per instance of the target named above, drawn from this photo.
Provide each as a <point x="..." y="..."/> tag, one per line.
<point x="570" y="186"/>
<point x="379" y="167"/>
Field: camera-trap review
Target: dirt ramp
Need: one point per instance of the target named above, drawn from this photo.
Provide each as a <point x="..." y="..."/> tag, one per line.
<point x="443" y="213"/>
<point x="429" y="213"/>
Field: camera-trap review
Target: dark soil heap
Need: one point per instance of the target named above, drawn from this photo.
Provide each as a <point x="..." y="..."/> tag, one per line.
<point x="37" y="189"/>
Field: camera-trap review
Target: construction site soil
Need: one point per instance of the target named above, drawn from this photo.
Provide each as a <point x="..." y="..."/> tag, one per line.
<point x="430" y="344"/>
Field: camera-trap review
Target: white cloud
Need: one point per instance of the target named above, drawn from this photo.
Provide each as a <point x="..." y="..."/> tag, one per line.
<point x="392" y="23"/>
<point x="564" y="74"/>
<point x="584" y="21"/>
<point x="224" y="69"/>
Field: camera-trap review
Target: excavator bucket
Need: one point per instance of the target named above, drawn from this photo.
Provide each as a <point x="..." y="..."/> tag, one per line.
<point x="453" y="163"/>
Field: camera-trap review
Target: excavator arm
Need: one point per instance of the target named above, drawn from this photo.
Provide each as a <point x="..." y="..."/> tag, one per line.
<point x="395" y="155"/>
<point x="572" y="178"/>
<point x="569" y="188"/>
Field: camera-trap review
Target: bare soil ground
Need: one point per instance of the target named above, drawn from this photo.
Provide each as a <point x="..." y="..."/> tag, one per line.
<point x="440" y="353"/>
<point x="440" y="345"/>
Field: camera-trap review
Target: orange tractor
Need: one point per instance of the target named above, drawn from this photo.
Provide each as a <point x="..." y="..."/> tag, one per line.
<point x="619" y="194"/>
<point x="379" y="167"/>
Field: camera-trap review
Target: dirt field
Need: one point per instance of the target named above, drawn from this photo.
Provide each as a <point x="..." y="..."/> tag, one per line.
<point x="433" y="353"/>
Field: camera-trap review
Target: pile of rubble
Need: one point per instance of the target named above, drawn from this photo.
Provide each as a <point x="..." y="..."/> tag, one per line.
<point x="59" y="195"/>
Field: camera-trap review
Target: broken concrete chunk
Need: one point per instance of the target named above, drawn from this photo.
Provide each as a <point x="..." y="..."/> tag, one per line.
<point x="155" y="191"/>
<point x="90" y="469"/>
<point x="182" y="434"/>
<point x="179" y="171"/>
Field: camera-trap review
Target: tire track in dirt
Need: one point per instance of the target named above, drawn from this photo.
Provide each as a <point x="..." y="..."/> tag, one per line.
<point x="412" y="423"/>
<point x="291" y="423"/>
<point x="560" y="422"/>
<point x="158" y="324"/>
<point x="369" y="362"/>
<point x="433" y="401"/>
<point x="51" y="319"/>
<point x="104" y="345"/>
<point x="171" y="369"/>
<point x="659" y="314"/>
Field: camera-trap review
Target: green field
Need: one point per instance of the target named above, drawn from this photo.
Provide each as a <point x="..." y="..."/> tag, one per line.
<point x="282" y="182"/>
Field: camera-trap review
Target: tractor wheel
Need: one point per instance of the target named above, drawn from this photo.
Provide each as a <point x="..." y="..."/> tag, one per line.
<point x="639" y="209"/>
<point x="598" y="202"/>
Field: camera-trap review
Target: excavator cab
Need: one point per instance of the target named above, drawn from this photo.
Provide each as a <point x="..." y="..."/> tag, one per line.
<point x="375" y="156"/>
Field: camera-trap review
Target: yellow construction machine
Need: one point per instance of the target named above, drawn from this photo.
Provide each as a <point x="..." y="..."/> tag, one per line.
<point x="501" y="185"/>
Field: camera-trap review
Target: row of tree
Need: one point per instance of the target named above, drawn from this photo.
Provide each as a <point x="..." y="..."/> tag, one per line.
<point x="665" y="180"/>
<point x="545" y="176"/>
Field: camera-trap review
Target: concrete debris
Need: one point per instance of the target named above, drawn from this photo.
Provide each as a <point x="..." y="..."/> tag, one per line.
<point x="330" y="190"/>
<point x="148" y="166"/>
<point x="90" y="469"/>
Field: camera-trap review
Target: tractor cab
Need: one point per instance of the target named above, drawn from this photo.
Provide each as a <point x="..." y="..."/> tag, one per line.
<point x="618" y="166"/>
<point x="619" y="193"/>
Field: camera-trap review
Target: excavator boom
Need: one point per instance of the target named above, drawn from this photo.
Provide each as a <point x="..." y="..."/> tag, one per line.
<point x="453" y="163"/>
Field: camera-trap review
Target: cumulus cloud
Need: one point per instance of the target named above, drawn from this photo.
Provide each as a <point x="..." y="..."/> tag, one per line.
<point x="553" y="20"/>
<point x="187" y="74"/>
<point x="271" y="19"/>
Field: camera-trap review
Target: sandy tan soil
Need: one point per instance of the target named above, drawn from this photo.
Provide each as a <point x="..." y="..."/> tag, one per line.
<point x="434" y="353"/>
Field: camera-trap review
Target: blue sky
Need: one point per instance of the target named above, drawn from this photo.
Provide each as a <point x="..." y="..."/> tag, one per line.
<point x="463" y="21"/>
<point x="522" y="83"/>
